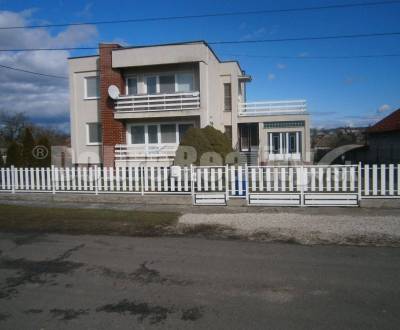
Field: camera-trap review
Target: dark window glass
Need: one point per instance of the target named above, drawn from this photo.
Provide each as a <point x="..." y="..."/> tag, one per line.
<point x="167" y="84"/>
<point x="152" y="133"/>
<point x="137" y="134"/>
<point x="94" y="133"/>
<point x="227" y="97"/>
<point x="168" y="133"/>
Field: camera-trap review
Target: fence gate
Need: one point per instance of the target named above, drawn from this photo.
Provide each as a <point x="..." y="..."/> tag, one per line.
<point x="209" y="185"/>
<point x="334" y="185"/>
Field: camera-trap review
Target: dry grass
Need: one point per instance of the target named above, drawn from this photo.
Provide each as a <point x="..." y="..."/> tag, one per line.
<point x="85" y="221"/>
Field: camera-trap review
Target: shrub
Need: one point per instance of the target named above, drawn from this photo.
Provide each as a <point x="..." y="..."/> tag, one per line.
<point x="14" y="156"/>
<point x="205" y="140"/>
<point x="28" y="143"/>
<point x="44" y="162"/>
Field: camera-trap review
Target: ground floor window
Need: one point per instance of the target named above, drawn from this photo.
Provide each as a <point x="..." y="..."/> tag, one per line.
<point x="157" y="133"/>
<point x="284" y="142"/>
<point x="94" y="134"/>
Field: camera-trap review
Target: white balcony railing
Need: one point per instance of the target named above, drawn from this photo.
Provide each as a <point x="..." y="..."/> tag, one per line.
<point x="158" y="102"/>
<point x="272" y="108"/>
<point x="145" y="152"/>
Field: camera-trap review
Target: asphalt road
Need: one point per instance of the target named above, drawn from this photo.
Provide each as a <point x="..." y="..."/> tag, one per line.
<point x="98" y="282"/>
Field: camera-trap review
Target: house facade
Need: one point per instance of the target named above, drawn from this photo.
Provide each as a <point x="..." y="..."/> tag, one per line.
<point x="158" y="92"/>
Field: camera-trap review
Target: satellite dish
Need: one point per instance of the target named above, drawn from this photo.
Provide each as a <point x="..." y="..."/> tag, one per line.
<point x="113" y="92"/>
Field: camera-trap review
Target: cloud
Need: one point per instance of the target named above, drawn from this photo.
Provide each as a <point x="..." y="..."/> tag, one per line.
<point x="281" y="66"/>
<point x="258" y="33"/>
<point x="384" y="108"/>
<point x="271" y="76"/>
<point x="86" y="12"/>
<point x="43" y="99"/>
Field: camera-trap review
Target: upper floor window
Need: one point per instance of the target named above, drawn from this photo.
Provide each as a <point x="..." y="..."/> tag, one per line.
<point x="169" y="83"/>
<point x="131" y="86"/>
<point x="94" y="133"/>
<point x="227" y="97"/>
<point x="92" y="90"/>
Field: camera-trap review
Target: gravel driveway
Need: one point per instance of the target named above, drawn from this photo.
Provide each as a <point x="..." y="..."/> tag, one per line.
<point x="341" y="228"/>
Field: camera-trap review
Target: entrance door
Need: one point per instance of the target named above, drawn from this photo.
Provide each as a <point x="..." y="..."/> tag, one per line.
<point x="248" y="137"/>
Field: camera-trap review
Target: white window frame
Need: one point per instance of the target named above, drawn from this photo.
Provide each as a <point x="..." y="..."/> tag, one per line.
<point x="127" y="87"/>
<point x="158" y="124"/>
<point x="171" y="73"/>
<point x="88" y="143"/>
<point x="86" y="97"/>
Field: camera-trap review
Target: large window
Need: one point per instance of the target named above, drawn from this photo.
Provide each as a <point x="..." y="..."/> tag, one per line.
<point x="167" y="84"/>
<point x="137" y="135"/>
<point x="157" y="133"/>
<point x="227" y="97"/>
<point x="185" y="82"/>
<point x="285" y="142"/>
<point x="168" y="133"/>
<point x="131" y="86"/>
<point x="92" y="87"/>
<point x="94" y="133"/>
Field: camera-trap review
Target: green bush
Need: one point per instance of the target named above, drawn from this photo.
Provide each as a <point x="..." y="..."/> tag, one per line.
<point x="207" y="139"/>
<point x="43" y="141"/>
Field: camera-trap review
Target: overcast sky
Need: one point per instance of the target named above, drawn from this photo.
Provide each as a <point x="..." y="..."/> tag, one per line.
<point x="356" y="91"/>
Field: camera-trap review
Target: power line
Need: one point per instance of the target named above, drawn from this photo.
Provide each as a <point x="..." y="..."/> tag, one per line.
<point x="306" y="57"/>
<point x="238" y="13"/>
<point x="343" y="36"/>
<point x="32" y="72"/>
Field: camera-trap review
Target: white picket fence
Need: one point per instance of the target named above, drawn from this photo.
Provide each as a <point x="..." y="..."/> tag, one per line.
<point x="367" y="181"/>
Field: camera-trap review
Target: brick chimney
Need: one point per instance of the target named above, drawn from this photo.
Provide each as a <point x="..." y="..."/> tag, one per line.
<point x="113" y="130"/>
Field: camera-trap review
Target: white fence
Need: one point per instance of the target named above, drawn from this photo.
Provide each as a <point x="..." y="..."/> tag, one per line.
<point x="365" y="181"/>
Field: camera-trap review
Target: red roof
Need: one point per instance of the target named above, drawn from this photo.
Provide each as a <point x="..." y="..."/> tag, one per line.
<point x="388" y="124"/>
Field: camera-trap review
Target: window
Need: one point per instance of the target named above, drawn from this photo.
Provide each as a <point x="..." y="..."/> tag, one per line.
<point x="227" y="97"/>
<point x="94" y="133"/>
<point x="151" y="83"/>
<point x="137" y="135"/>
<point x="185" y="82"/>
<point x="275" y="143"/>
<point x="183" y="129"/>
<point x="91" y="87"/>
<point x="168" y="133"/>
<point x="167" y="84"/>
<point x="152" y="133"/>
<point x="131" y="86"/>
<point x="292" y="143"/>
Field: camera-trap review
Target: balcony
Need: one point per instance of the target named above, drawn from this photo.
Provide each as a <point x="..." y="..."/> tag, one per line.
<point x="158" y="102"/>
<point x="296" y="107"/>
<point x="125" y="154"/>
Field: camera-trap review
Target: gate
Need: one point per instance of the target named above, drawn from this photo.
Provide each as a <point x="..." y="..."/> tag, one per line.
<point x="209" y="185"/>
<point x="333" y="185"/>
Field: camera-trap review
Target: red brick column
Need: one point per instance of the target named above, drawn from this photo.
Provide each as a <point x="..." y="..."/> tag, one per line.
<point x="113" y="130"/>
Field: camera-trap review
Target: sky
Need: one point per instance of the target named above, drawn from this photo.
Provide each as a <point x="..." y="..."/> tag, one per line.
<point x="339" y="92"/>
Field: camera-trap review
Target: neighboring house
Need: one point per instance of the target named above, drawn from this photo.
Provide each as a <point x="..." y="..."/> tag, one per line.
<point x="384" y="140"/>
<point x="383" y="143"/>
<point x="164" y="90"/>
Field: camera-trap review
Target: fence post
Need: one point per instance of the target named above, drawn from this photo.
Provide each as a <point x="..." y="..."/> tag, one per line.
<point x="227" y="181"/>
<point x="246" y="169"/>
<point x="192" y="183"/>
<point x="142" y="181"/>
<point x="96" y="184"/>
<point x="53" y="185"/>
<point x="13" y="179"/>
<point x="359" y="181"/>
<point x="301" y="185"/>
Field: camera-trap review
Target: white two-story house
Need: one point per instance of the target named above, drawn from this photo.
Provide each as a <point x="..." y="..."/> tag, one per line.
<point x="160" y="91"/>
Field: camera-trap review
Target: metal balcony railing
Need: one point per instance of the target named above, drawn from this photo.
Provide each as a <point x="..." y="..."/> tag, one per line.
<point x="158" y="102"/>
<point x="266" y="108"/>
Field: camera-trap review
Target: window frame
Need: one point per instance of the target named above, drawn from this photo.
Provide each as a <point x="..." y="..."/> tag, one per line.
<point x="88" y="143"/>
<point x="127" y="85"/>
<point x="230" y="97"/>
<point x="86" y="97"/>
<point x="158" y="124"/>
<point x="167" y="73"/>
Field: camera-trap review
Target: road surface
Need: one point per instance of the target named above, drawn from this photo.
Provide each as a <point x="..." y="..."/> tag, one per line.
<point x="99" y="282"/>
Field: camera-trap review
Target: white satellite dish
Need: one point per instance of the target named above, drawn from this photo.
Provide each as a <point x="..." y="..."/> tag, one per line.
<point x="113" y="92"/>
